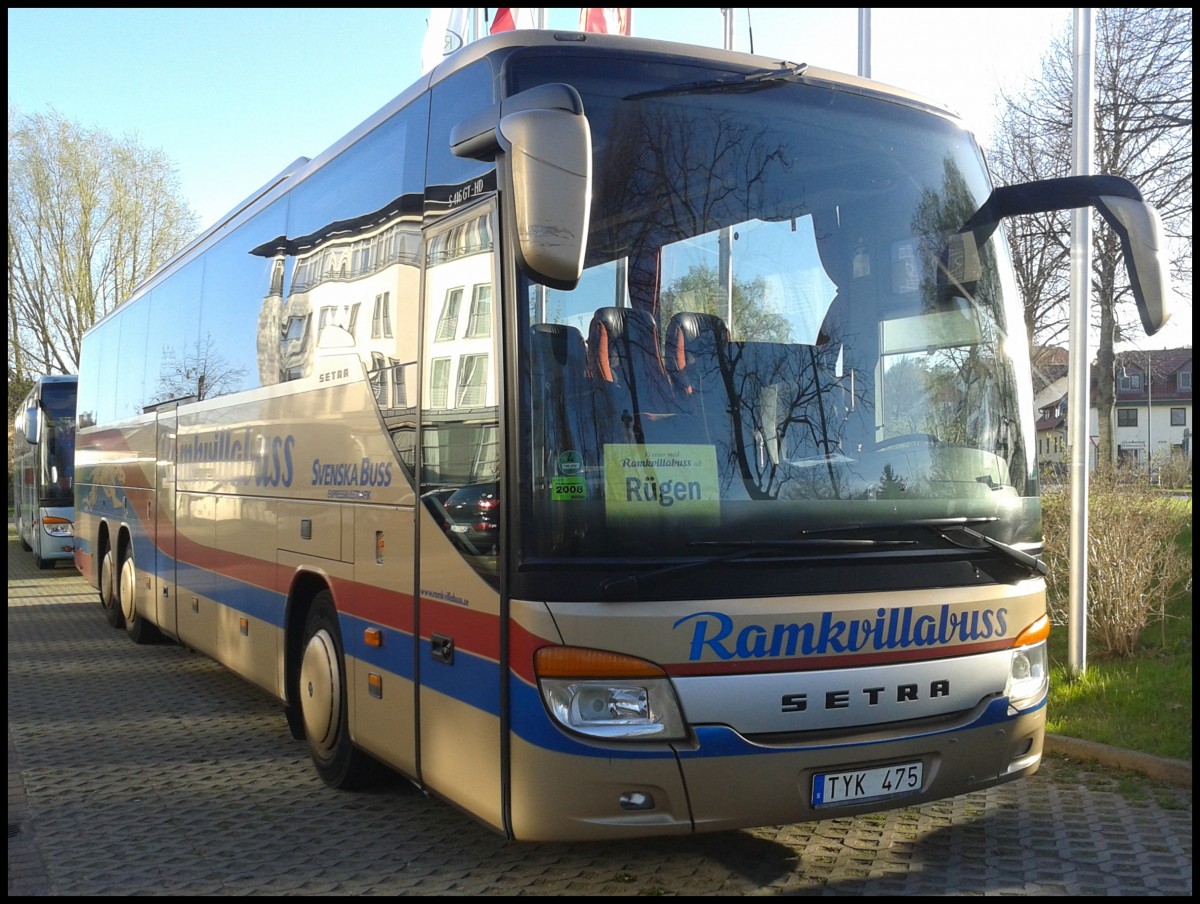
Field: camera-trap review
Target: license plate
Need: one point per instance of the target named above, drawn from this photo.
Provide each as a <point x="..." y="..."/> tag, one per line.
<point x="830" y="788"/>
<point x="458" y="528"/>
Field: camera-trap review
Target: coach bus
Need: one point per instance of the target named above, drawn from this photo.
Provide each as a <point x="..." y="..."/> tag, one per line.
<point x="612" y="437"/>
<point x="43" y="470"/>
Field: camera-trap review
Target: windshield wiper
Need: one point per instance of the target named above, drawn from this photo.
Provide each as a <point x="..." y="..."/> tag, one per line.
<point x="748" y="82"/>
<point x="1033" y="563"/>
<point x="745" y="548"/>
<point x="940" y="526"/>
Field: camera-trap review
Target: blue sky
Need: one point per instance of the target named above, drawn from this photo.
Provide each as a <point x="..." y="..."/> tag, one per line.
<point x="233" y="95"/>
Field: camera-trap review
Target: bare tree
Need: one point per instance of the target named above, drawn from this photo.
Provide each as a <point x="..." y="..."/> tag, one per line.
<point x="1143" y="131"/>
<point x="89" y="217"/>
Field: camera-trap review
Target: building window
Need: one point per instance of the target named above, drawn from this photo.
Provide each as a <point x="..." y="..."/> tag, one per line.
<point x="448" y="322"/>
<point x="376" y="376"/>
<point x="1129" y="382"/>
<point x="1185" y="381"/>
<point x="399" y="389"/>
<point x="328" y="315"/>
<point x="472" y="381"/>
<point x="1178" y="417"/>
<point x="381" y="320"/>
<point x="439" y="382"/>
<point x="480" y="322"/>
<point x="487" y="456"/>
<point x="1127" y="417"/>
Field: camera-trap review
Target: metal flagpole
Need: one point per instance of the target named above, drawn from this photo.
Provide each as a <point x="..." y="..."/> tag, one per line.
<point x="1079" y="370"/>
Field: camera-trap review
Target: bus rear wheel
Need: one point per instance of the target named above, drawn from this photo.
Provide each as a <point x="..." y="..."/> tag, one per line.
<point x="322" y="693"/>
<point x="108" y="589"/>
<point x="137" y="627"/>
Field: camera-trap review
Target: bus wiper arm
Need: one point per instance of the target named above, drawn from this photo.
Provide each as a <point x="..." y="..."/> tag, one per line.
<point x="745" y="548"/>
<point x="1033" y="563"/>
<point x="747" y="82"/>
<point x="934" y="523"/>
<point x="941" y="525"/>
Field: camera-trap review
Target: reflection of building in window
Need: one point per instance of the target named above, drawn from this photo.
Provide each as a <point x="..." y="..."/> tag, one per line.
<point x="480" y="322"/>
<point x="323" y="278"/>
<point x="459" y="434"/>
<point x="448" y="321"/>
<point x="439" y="382"/>
<point x="463" y="240"/>
<point x="472" y="381"/>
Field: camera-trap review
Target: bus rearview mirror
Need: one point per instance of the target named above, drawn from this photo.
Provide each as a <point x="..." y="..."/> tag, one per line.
<point x="549" y="153"/>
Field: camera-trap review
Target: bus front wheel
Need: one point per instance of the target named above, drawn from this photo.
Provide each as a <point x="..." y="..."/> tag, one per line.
<point x="108" y="589"/>
<point x="322" y="691"/>
<point x="136" y="626"/>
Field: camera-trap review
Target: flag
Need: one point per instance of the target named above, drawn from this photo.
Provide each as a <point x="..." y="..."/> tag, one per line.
<point x="511" y="17"/>
<point x="447" y="33"/>
<point x="607" y="20"/>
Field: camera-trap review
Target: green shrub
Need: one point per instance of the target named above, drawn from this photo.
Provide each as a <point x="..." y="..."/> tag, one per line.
<point x="1136" y="563"/>
<point x="1174" y="470"/>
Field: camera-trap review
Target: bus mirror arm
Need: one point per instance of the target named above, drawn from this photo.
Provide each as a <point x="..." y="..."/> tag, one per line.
<point x="1137" y="224"/>
<point x="478" y="137"/>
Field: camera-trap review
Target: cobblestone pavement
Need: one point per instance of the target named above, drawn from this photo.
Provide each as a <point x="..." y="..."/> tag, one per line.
<point x="154" y="771"/>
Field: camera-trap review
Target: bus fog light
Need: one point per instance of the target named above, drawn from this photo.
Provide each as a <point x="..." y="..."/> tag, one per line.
<point x="636" y="800"/>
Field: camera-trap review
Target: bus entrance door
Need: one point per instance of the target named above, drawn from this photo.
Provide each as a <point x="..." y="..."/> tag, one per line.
<point x="459" y="670"/>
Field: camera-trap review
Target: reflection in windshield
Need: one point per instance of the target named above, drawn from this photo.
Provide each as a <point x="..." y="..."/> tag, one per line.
<point x="779" y="328"/>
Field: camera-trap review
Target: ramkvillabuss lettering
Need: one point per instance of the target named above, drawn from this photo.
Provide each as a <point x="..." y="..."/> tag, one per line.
<point x="231" y="455"/>
<point x="890" y="629"/>
<point x="224" y="445"/>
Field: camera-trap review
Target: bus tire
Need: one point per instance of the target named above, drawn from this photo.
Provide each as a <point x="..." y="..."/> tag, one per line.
<point x="21" y="536"/>
<point x="140" y="630"/>
<point x="108" y="589"/>
<point x="323" y="694"/>
<point x="44" y="564"/>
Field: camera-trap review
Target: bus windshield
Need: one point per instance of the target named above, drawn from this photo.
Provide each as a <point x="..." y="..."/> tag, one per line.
<point x="781" y="327"/>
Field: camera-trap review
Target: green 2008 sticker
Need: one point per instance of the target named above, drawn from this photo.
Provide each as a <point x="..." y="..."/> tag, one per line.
<point x="566" y="488"/>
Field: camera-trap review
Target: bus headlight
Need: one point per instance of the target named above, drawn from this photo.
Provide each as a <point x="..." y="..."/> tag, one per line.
<point x="1028" y="671"/>
<point x="607" y="695"/>
<point x="57" y="527"/>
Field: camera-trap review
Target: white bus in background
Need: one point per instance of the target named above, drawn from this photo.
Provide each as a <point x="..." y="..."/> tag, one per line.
<point x="43" y="470"/>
